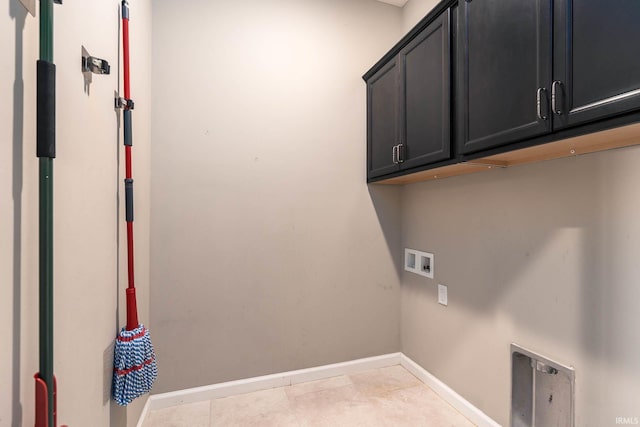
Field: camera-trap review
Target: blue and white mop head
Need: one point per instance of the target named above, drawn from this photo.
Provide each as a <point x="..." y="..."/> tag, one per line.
<point x="134" y="365"/>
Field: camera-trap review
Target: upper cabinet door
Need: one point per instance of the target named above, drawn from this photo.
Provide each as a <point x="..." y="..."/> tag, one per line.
<point x="382" y="121"/>
<point x="504" y="72"/>
<point x="383" y="134"/>
<point x="425" y="101"/>
<point x="596" y="59"/>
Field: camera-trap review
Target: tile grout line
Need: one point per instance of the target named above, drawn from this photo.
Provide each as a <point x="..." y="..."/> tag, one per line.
<point x="291" y="378"/>
<point x="248" y="385"/>
<point x="366" y="390"/>
<point x="210" y="412"/>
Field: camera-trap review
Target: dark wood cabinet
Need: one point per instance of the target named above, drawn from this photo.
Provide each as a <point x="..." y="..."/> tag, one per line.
<point x="596" y="60"/>
<point x="408" y="104"/>
<point x="424" y="93"/>
<point x="479" y="84"/>
<point x="517" y="81"/>
<point x="504" y="72"/>
<point x="383" y="133"/>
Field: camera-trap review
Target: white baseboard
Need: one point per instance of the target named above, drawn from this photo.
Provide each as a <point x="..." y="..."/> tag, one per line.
<point x="144" y="412"/>
<point x="463" y="406"/>
<point x="198" y="394"/>
<point x="249" y="385"/>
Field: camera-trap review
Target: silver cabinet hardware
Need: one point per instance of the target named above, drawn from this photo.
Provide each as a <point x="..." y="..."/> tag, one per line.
<point x="554" y="97"/>
<point x="400" y="153"/>
<point x="539" y="103"/>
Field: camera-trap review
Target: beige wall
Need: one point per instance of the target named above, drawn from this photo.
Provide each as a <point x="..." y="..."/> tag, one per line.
<point x="544" y="255"/>
<point x="414" y="11"/>
<point x="85" y="210"/>
<point x="269" y="251"/>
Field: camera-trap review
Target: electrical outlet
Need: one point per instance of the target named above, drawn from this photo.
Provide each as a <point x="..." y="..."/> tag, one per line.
<point x="442" y="295"/>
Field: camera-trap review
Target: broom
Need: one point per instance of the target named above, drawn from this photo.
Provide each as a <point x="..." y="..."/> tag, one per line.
<point x="134" y="361"/>
<point x="46" y="389"/>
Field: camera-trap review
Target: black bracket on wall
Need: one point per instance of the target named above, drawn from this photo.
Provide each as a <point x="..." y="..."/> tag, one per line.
<point x="124" y="103"/>
<point x="95" y="65"/>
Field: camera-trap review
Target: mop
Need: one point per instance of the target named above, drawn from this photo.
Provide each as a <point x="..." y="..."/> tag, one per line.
<point x="134" y="361"/>
<point x="45" y="396"/>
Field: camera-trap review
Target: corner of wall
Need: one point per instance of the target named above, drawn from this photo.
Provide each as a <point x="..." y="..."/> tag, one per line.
<point x="414" y="11"/>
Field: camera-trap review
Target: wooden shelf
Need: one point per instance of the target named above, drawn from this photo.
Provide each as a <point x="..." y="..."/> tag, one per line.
<point x="584" y="144"/>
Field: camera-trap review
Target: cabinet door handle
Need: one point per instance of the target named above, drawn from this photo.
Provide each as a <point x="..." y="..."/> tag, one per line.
<point x="554" y="97"/>
<point x="394" y="154"/>
<point x="539" y="103"/>
<point x="400" y="153"/>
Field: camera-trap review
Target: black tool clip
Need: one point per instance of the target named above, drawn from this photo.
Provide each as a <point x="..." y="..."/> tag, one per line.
<point x="95" y="65"/>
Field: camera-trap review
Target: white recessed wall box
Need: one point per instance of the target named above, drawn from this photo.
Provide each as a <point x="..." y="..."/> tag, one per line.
<point x="418" y="262"/>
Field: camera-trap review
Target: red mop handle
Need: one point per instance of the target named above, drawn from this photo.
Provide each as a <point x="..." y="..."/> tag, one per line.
<point x="125" y="48"/>
<point x="132" y="310"/>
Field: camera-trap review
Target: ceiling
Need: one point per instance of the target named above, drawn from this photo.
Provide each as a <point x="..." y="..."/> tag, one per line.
<point x="398" y="3"/>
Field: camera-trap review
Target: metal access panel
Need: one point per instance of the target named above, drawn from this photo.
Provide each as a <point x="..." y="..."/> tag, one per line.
<point x="542" y="391"/>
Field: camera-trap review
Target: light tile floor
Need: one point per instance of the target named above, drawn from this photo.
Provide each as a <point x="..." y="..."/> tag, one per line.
<point x="379" y="397"/>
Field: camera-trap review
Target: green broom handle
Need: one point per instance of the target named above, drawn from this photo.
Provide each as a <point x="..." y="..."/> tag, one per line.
<point x="46" y="279"/>
<point x="46" y="230"/>
<point x="46" y="30"/>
